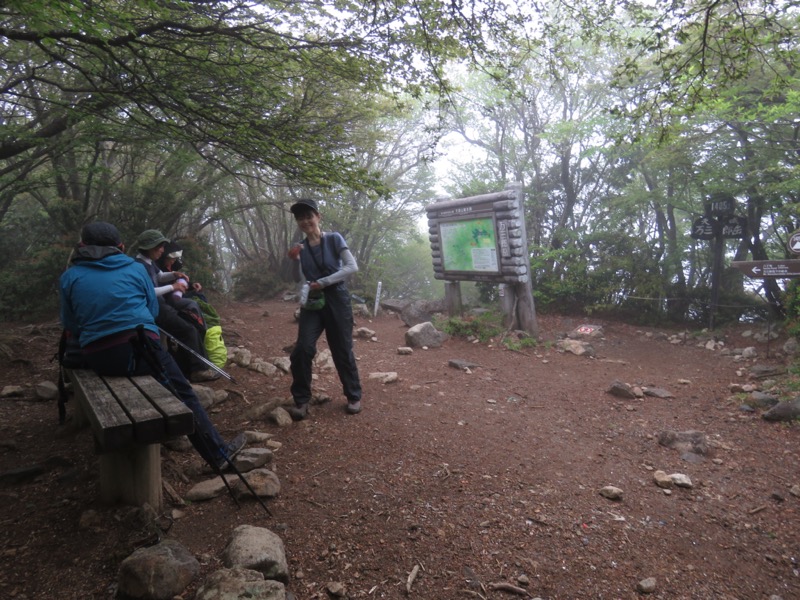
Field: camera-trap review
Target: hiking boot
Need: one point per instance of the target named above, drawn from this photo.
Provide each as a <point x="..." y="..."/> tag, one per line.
<point x="353" y="408"/>
<point x="299" y="412"/>
<point x="207" y="375"/>
<point x="232" y="448"/>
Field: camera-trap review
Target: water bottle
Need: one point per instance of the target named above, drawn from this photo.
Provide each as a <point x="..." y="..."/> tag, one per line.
<point x="304" y="293"/>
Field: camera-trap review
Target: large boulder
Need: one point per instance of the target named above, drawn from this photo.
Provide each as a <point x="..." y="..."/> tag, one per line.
<point x="425" y="335"/>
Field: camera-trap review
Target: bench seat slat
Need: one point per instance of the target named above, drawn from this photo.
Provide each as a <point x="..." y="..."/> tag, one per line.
<point x="179" y="418"/>
<point x="148" y="424"/>
<point x="112" y="427"/>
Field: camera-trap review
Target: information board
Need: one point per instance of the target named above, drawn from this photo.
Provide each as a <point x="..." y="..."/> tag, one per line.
<point x="469" y="245"/>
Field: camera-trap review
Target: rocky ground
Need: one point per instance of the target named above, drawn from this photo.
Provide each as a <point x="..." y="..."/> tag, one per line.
<point x="483" y="482"/>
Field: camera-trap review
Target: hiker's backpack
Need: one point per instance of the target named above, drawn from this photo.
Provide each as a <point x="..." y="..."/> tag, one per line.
<point x="214" y="344"/>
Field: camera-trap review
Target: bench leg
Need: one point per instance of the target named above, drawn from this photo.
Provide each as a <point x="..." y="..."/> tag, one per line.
<point x="132" y="476"/>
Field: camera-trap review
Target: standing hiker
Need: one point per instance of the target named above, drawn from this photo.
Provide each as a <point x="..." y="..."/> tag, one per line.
<point x="325" y="264"/>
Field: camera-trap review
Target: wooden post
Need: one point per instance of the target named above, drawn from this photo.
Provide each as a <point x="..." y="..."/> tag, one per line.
<point x="452" y="298"/>
<point x="132" y="476"/>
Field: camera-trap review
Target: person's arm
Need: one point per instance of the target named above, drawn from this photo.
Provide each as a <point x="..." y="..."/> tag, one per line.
<point x="349" y="266"/>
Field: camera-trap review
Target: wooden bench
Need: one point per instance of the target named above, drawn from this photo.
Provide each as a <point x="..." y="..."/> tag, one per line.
<point x="130" y="418"/>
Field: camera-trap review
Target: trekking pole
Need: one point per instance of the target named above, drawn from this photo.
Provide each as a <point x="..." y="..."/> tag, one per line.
<point x="203" y="359"/>
<point x="145" y="346"/>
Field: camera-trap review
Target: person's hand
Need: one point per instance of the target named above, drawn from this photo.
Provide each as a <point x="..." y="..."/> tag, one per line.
<point x="314" y="286"/>
<point x="179" y="286"/>
<point x="294" y="251"/>
<point x="196" y="286"/>
<point x="179" y="275"/>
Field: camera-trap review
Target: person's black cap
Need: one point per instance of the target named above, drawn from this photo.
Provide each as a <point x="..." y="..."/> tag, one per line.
<point x="100" y="233"/>
<point x="303" y="205"/>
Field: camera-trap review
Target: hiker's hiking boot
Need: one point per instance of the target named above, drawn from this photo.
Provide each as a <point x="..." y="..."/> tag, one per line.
<point x="232" y="448"/>
<point x="206" y="375"/>
<point x="299" y="412"/>
<point x="353" y="408"/>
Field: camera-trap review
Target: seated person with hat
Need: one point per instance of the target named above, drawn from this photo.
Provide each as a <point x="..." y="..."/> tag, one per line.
<point x="182" y="319"/>
<point x="105" y="298"/>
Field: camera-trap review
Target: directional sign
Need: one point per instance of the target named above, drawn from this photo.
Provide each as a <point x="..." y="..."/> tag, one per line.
<point x="733" y="227"/>
<point x="794" y="243"/>
<point x="704" y="228"/>
<point x="761" y="269"/>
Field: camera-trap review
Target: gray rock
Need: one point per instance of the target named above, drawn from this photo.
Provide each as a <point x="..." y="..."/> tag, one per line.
<point x="12" y="391"/>
<point x="421" y="311"/>
<point x="280" y="416"/>
<point x="261" y="366"/>
<point x="46" y="390"/>
<point x="425" y="335"/>
<point x="240" y="356"/>
<point x="762" y="400"/>
<point x="461" y="364"/>
<point x="684" y="441"/>
<point x="252" y="458"/>
<point x="783" y="411"/>
<point x="237" y="583"/>
<point x="764" y="371"/>
<point x="621" y="389"/>
<point x="258" y="549"/>
<point x="159" y="572"/>
<point x="385" y="376"/>
<point x="206" y="490"/>
<point x="646" y="586"/>
<point x="611" y="492"/>
<point x="282" y="362"/>
<point x="658" y="393"/>
<point x="576" y="347"/>
<point x="263" y="481"/>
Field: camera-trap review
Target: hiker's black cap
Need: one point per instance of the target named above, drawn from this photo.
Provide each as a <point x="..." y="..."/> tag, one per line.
<point x="303" y="205"/>
<point x="100" y="233"/>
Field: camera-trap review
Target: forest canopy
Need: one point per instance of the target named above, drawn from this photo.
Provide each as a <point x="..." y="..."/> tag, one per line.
<point x="207" y="119"/>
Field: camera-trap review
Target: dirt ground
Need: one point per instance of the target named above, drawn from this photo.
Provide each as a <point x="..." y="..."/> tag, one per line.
<point x="474" y="480"/>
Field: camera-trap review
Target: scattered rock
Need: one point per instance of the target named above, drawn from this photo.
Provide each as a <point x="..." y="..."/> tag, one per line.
<point x="425" y="335"/>
<point x="240" y="583"/>
<point x="611" y="492"/>
<point x="576" y="347"/>
<point x="783" y="411"/>
<point x="257" y="549"/>
<point x="646" y="586"/>
<point x="460" y="364"/>
<point x="684" y="441"/>
<point x="159" y="572"/>
<point x="658" y="393"/>
<point x="621" y="390"/>
<point x="388" y="377"/>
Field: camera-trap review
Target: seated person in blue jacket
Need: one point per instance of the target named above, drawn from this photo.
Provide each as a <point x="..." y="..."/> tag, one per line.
<point x="105" y="296"/>
<point x="181" y="318"/>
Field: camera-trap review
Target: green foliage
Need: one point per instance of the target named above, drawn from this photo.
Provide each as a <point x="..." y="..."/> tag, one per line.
<point x="520" y="343"/>
<point x="252" y="281"/>
<point x="29" y="290"/>
<point x="792" y="307"/>
<point x="486" y="325"/>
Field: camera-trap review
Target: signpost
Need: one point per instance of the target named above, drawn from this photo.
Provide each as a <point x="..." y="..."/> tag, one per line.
<point x="760" y="269"/>
<point x="718" y="224"/>
<point x="794" y="243"/>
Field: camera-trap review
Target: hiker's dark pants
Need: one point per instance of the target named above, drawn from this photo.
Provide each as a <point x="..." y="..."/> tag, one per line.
<point x="170" y="320"/>
<point x="122" y="360"/>
<point x="336" y="320"/>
